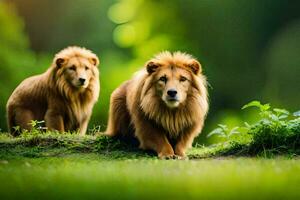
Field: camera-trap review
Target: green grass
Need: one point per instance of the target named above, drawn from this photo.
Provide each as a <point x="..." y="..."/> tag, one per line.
<point x="52" y="165"/>
<point x="258" y="161"/>
<point x="51" y="144"/>
<point x="85" y="176"/>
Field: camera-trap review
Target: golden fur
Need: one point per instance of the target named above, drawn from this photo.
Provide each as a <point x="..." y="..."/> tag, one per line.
<point x="63" y="96"/>
<point x="145" y="106"/>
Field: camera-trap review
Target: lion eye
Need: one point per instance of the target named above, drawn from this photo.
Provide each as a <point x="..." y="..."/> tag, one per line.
<point x="73" y="68"/>
<point x="163" y="79"/>
<point x="182" y="79"/>
<point x="86" y="68"/>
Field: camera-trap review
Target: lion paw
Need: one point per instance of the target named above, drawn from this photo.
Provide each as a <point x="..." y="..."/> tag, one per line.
<point x="177" y="157"/>
<point x="166" y="155"/>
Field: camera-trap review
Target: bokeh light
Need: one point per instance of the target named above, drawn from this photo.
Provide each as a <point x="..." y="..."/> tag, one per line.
<point x="124" y="35"/>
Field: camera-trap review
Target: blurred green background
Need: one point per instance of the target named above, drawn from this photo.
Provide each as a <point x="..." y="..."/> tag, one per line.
<point x="249" y="49"/>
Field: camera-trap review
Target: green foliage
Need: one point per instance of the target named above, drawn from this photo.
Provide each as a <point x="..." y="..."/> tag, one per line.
<point x="297" y="114"/>
<point x="275" y="137"/>
<point x="276" y="114"/>
<point x="224" y="132"/>
<point x="276" y="132"/>
<point x="257" y="104"/>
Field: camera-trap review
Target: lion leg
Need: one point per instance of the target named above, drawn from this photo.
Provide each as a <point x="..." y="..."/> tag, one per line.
<point x="22" y="118"/>
<point x="119" y="118"/>
<point x="54" y="121"/>
<point x="185" y="141"/>
<point x="183" y="144"/>
<point x="153" y="139"/>
<point x="83" y="127"/>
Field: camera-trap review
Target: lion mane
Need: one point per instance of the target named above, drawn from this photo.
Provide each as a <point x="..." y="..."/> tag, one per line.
<point x="50" y="97"/>
<point x="156" y="126"/>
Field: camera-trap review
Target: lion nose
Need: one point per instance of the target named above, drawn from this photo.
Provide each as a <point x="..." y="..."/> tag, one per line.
<point x="82" y="80"/>
<point x="172" y="93"/>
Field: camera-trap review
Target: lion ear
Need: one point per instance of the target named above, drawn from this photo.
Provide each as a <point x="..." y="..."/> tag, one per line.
<point x="94" y="61"/>
<point x="195" y="66"/>
<point x="152" y="66"/>
<point x="60" y="61"/>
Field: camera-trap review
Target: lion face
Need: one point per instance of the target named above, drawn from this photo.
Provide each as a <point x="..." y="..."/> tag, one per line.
<point x="173" y="77"/>
<point x="77" y="71"/>
<point x="172" y="85"/>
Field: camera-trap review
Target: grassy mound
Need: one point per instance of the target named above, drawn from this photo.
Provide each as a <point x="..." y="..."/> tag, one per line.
<point x="38" y="144"/>
<point x="276" y="133"/>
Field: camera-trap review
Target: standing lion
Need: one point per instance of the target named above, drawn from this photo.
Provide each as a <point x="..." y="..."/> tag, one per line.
<point x="63" y="96"/>
<point x="163" y="105"/>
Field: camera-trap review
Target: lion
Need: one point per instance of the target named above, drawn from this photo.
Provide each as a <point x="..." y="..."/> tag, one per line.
<point x="63" y="96"/>
<point x="164" y="105"/>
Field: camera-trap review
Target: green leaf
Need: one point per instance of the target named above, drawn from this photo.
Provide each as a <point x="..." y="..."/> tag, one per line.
<point x="234" y="131"/>
<point x="247" y="125"/>
<point x="281" y="111"/>
<point x="222" y="126"/>
<point x="274" y="117"/>
<point x="266" y="121"/>
<point x="217" y="131"/>
<point x="257" y="104"/>
<point x="266" y="107"/>
<point x="252" y="104"/>
<point x="297" y="113"/>
<point x="283" y="116"/>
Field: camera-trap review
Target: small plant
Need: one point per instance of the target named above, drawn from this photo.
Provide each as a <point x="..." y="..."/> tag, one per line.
<point x="39" y="125"/>
<point x="267" y="114"/>
<point x="276" y="132"/>
<point x="17" y="128"/>
<point x="224" y="132"/>
<point x="95" y="130"/>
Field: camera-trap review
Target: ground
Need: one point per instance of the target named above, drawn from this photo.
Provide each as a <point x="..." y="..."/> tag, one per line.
<point x="93" y="176"/>
<point x="67" y="166"/>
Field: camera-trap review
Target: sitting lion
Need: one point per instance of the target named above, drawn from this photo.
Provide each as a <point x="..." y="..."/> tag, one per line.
<point x="63" y="96"/>
<point x="163" y="105"/>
